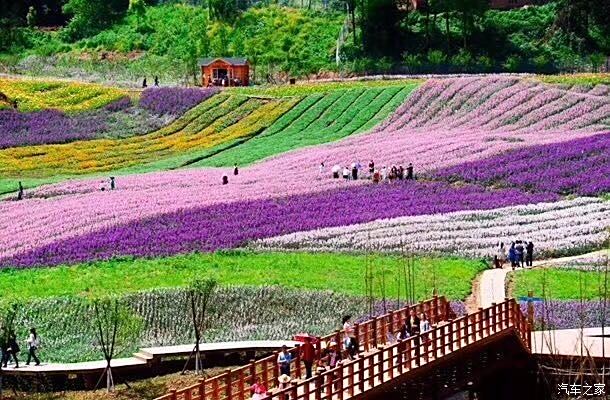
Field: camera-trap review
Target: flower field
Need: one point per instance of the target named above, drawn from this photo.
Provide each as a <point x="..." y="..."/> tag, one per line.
<point x="36" y="95"/>
<point x="445" y="123"/>
<point x="559" y="228"/>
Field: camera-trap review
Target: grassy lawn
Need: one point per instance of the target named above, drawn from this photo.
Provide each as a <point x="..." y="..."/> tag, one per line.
<point x="560" y="284"/>
<point x="337" y="272"/>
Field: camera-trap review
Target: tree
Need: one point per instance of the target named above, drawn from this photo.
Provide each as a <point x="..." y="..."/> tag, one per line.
<point x="469" y="11"/>
<point x="91" y="16"/>
<point x="116" y="328"/>
<point x="199" y="295"/>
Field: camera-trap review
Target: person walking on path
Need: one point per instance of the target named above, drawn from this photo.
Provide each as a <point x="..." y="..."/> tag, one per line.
<point x="144" y="84"/>
<point x="512" y="256"/>
<point x="235" y="170"/>
<point x="11" y="349"/>
<point x="520" y="253"/>
<point x="156" y="81"/>
<point x="283" y="361"/>
<point x="500" y="257"/>
<point x="308" y="355"/>
<point x="33" y="344"/>
<point x="529" y="259"/>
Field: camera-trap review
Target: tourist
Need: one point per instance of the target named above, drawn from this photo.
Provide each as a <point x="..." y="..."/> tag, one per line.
<point x="376" y="176"/>
<point x="410" y="171"/>
<point x="354" y="171"/>
<point x="413" y="323"/>
<point x="308" y="356"/>
<point x="10" y="348"/>
<point x="284" y="380"/>
<point x="283" y="361"/>
<point x="156" y="81"/>
<point x="520" y="253"/>
<point x="112" y="184"/>
<point x="33" y="343"/>
<point x="225" y="179"/>
<point x="384" y="173"/>
<point x="401" y="172"/>
<point x="393" y="173"/>
<point x="403" y="335"/>
<point x="259" y="391"/>
<point x="322" y="168"/>
<point x="144" y="84"/>
<point x="512" y="256"/>
<point x="371" y="168"/>
<point x="20" y="193"/>
<point x="350" y="340"/>
<point x="346" y="173"/>
<point x="336" y="170"/>
<point x="529" y="259"/>
<point x="235" y="170"/>
<point x="424" y="324"/>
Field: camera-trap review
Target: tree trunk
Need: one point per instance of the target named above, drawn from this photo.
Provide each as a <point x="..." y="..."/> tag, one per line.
<point x="448" y="32"/>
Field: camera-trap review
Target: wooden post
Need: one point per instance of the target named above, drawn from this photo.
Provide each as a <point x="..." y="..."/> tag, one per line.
<point x="188" y="395"/>
<point x="491" y="325"/>
<point x="229" y="384"/>
<point x="265" y="372"/>
<point x="215" y="389"/>
<point x="408" y="358"/>
<point x="384" y="329"/>
<point x="202" y="389"/>
<point x="507" y="314"/>
<point x="276" y="368"/>
<point x="350" y="379"/>
<point x="294" y="392"/>
<point x="390" y="362"/>
<point x="357" y="335"/>
<point x="479" y="316"/>
<point x="361" y="374"/>
<point x="328" y="385"/>
<point x="375" y="327"/>
<point x="451" y="329"/>
<point x="435" y="308"/>
<point x="297" y="362"/>
<point x="443" y="332"/>
<point x="392" y="324"/>
<point x="242" y="386"/>
<point x="371" y="369"/>
<point x="252" y="372"/>
<point x="318" y="348"/>
<point x="340" y="382"/>
<point x="172" y="392"/>
<point x="338" y="341"/>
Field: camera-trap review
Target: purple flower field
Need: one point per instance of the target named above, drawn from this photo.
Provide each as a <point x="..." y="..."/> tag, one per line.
<point x="230" y="225"/>
<point x="569" y="314"/>
<point x="580" y="166"/>
<point x="173" y="100"/>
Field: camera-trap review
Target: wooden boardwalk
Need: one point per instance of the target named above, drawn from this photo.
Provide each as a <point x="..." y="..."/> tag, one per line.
<point x="382" y="360"/>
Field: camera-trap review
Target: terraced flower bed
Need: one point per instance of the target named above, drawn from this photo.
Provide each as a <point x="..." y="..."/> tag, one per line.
<point x="35" y="95"/>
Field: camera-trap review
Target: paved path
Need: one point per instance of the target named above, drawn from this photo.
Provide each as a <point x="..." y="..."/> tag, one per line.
<point x="142" y="358"/>
<point x="572" y="342"/>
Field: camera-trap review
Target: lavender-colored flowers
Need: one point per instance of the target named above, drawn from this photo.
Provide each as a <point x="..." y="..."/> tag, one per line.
<point x="569" y="314"/>
<point x="580" y="166"/>
<point x="173" y="100"/>
<point x="229" y="225"/>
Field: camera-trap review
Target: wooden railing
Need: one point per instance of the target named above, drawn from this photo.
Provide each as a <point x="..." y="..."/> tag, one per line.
<point x="235" y="384"/>
<point x="385" y="364"/>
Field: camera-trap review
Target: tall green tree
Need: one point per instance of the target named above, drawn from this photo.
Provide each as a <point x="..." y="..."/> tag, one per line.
<point x="470" y="11"/>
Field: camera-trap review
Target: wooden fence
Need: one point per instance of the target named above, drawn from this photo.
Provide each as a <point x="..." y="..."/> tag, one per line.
<point x="235" y="384"/>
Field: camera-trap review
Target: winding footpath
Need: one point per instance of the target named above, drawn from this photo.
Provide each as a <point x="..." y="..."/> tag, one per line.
<point x="492" y="283"/>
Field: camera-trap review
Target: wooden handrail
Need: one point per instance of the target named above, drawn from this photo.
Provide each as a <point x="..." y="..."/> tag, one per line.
<point x="383" y="365"/>
<point x="234" y="383"/>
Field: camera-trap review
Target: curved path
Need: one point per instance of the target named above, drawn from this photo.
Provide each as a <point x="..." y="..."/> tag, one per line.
<point x="492" y="283"/>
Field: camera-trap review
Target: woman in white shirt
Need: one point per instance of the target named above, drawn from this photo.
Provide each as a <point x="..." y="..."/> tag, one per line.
<point x="33" y="344"/>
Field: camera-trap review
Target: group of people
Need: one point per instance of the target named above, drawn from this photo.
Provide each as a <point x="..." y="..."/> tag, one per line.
<point x="376" y="175"/>
<point x="10" y="347"/>
<point x="333" y="355"/>
<point x="519" y="254"/>
<point x="145" y="83"/>
<point x="225" y="177"/>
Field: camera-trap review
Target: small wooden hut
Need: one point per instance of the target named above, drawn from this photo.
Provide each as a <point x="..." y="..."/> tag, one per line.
<point x="225" y="71"/>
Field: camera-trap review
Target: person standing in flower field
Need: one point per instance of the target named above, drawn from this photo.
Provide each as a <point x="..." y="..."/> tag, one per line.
<point x="20" y="193"/>
<point x="112" y="184"/>
<point x="410" y="171"/>
<point x="283" y="361"/>
<point x="308" y="355"/>
<point x="371" y="168"/>
<point x="235" y="170"/>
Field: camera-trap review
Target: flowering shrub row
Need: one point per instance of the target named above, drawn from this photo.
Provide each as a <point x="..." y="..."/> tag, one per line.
<point x="173" y="100"/>
<point x="580" y="166"/>
<point x="557" y="228"/>
<point x="229" y="225"/>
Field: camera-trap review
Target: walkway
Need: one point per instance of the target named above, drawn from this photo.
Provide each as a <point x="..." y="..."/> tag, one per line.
<point x="146" y="356"/>
<point x="573" y="342"/>
<point x="382" y="361"/>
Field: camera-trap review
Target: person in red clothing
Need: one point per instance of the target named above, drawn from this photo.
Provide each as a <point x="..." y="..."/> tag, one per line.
<point x="308" y="355"/>
<point x="259" y="391"/>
